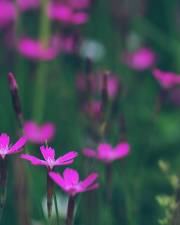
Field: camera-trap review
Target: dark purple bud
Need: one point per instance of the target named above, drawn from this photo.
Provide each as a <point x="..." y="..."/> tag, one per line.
<point x="15" y="98"/>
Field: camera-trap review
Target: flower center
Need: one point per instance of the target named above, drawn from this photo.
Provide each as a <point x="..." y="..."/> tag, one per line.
<point x="50" y="162"/>
<point x="3" y="150"/>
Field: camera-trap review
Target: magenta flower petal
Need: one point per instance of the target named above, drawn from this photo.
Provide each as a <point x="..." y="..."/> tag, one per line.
<point x="79" y="4"/>
<point x="64" y="163"/>
<point x="4" y="140"/>
<point x="7" y="13"/>
<point x="47" y="152"/>
<point x="67" y="158"/>
<point x="80" y="18"/>
<point x="106" y="153"/>
<point x="71" y="176"/>
<point x="104" y="147"/>
<point x="38" y="134"/>
<point x="121" y="150"/>
<point x="17" y="147"/>
<point x="59" y="12"/>
<point x="93" y="187"/>
<point x="166" y="79"/>
<point x="34" y="49"/>
<point x="141" y="59"/>
<point x="28" y="4"/>
<point x="89" y="180"/>
<point x="34" y="160"/>
<point x="89" y="153"/>
<point x="57" y="178"/>
<point x="70" y="181"/>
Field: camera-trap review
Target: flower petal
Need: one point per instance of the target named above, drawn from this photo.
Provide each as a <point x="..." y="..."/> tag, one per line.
<point x="4" y="140"/>
<point x="121" y="150"/>
<point x="47" y="152"/>
<point x="67" y="158"/>
<point x="104" y="147"/>
<point x="34" y="160"/>
<point x="64" y="163"/>
<point x="89" y="152"/>
<point x="89" y="180"/>
<point x="71" y="176"/>
<point x="17" y="147"/>
<point x="92" y="187"/>
<point x="57" y="178"/>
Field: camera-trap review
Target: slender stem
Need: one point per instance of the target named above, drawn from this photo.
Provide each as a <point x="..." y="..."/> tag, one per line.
<point x="3" y="184"/>
<point x="56" y="209"/>
<point x="40" y="83"/>
<point x="70" y="211"/>
<point x="50" y="192"/>
<point x="159" y="102"/>
<point x="109" y="182"/>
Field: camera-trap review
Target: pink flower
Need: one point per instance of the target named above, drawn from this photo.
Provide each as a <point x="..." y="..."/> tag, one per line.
<point x="70" y="183"/>
<point x="106" y="153"/>
<point x="49" y="158"/>
<point x="35" y="50"/>
<point x="96" y="84"/>
<point x="68" y="44"/>
<point x="112" y="85"/>
<point x="66" y="14"/>
<point x="38" y="134"/>
<point x="140" y="59"/>
<point x="79" y="4"/>
<point x="6" y="149"/>
<point x="166" y="79"/>
<point x="93" y="109"/>
<point x="7" y="13"/>
<point x="28" y="4"/>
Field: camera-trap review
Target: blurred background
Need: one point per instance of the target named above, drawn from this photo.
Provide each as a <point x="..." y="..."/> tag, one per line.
<point x="52" y="47"/>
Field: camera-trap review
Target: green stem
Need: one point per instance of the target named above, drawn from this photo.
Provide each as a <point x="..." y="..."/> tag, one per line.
<point x="40" y="83"/>
<point x="70" y="211"/>
<point x="56" y="208"/>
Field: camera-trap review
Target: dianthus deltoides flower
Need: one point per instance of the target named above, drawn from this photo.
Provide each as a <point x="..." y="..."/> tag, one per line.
<point x="35" y="50"/>
<point x="79" y="4"/>
<point x="166" y="79"/>
<point x="25" y="5"/>
<point x="50" y="162"/>
<point x="7" y="149"/>
<point x="66" y="14"/>
<point x="38" y="134"/>
<point x="71" y="184"/>
<point x="106" y="153"/>
<point x="7" y="13"/>
<point x="49" y="158"/>
<point x="96" y="84"/>
<point x="140" y="59"/>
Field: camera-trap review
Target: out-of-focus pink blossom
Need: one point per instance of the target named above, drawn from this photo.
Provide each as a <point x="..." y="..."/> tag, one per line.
<point x="7" y="13"/>
<point x="70" y="183"/>
<point x="34" y="49"/>
<point x="166" y="79"/>
<point x="106" y="153"/>
<point x="49" y="158"/>
<point x="141" y="59"/>
<point x="38" y="134"/>
<point x="7" y="149"/>
<point x="79" y="4"/>
<point x="112" y="85"/>
<point x="25" y="5"/>
<point x="93" y="109"/>
<point x="66" y="14"/>
<point x="96" y="84"/>
<point x="68" y="44"/>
